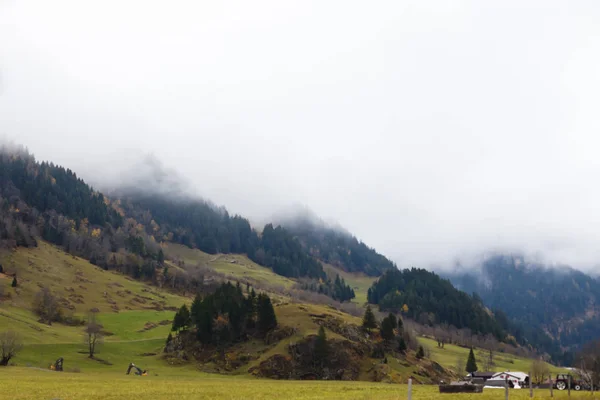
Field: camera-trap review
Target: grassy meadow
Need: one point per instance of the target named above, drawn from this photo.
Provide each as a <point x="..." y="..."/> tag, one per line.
<point x="32" y="384"/>
<point x="137" y="319"/>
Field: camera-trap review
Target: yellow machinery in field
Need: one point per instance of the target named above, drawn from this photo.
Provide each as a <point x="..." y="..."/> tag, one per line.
<point x="58" y="365"/>
<point x="138" y="371"/>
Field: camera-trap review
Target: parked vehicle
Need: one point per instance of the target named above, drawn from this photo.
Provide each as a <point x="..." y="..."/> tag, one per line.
<point x="562" y="382"/>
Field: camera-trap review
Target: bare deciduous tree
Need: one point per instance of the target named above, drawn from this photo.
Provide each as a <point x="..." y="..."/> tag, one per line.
<point x="539" y="371"/>
<point x="46" y="306"/>
<point x="588" y="363"/>
<point x="10" y="344"/>
<point x="93" y="332"/>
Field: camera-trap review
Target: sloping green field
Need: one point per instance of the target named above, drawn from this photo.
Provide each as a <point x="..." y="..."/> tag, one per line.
<point x="235" y="266"/>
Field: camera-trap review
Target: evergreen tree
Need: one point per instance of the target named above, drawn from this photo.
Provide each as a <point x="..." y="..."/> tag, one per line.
<point x="14" y="282"/>
<point x="402" y="345"/>
<point x="369" y="321"/>
<point x="1" y="269"/>
<point x="393" y="321"/>
<point x="400" y="325"/>
<point x="420" y="353"/>
<point x="266" y="314"/>
<point x="196" y="310"/>
<point x="177" y="322"/>
<point x="169" y="339"/>
<point x="321" y="347"/>
<point x="181" y="319"/>
<point x="387" y="328"/>
<point x="160" y="257"/>
<point x="471" y="362"/>
<point x="204" y="325"/>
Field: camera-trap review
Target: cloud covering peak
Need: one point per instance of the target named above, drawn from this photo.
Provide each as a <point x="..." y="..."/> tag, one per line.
<point x="434" y="131"/>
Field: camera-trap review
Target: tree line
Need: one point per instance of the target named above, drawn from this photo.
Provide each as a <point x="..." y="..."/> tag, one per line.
<point x="226" y="316"/>
<point x="336" y="289"/>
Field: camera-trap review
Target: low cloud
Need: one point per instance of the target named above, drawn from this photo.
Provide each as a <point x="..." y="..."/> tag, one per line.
<point x="434" y="132"/>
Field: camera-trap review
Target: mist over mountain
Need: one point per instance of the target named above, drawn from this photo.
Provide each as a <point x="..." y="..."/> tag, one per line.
<point x="560" y="300"/>
<point x="429" y="165"/>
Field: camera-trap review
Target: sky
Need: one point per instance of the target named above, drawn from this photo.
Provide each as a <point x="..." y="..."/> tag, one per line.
<point x="435" y="131"/>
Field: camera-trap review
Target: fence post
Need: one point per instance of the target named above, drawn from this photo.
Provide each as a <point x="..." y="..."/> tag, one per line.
<point x="409" y="388"/>
<point x="505" y="388"/>
<point x="551" y="384"/>
<point x="569" y="385"/>
<point x="530" y="386"/>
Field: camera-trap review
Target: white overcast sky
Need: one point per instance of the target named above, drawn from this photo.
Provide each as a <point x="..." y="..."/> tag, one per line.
<point x="432" y="130"/>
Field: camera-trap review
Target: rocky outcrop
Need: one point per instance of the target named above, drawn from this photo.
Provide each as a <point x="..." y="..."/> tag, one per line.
<point x="343" y="362"/>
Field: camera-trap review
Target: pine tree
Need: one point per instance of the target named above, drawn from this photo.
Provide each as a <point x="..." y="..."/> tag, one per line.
<point x="177" y="322"/>
<point x="266" y="314"/>
<point x="14" y="282"/>
<point x="401" y="345"/>
<point x="321" y="347"/>
<point x="169" y="340"/>
<point x="393" y="320"/>
<point x="471" y="362"/>
<point x="196" y="310"/>
<point x="181" y="319"/>
<point x="369" y="321"/>
<point x="387" y="328"/>
<point x="420" y="353"/>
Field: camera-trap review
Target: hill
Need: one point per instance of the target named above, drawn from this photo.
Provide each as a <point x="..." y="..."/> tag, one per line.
<point x="334" y="245"/>
<point x="136" y="258"/>
<point x="137" y="318"/>
<point x="555" y="307"/>
<point x="431" y="300"/>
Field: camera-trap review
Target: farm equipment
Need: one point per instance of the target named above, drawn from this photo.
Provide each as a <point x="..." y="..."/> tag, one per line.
<point x="138" y="371"/>
<point x="562" y="382"/>
<point x="58" y="365"/>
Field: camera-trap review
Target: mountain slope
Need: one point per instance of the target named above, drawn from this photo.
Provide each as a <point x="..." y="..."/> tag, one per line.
<point x="334" y="245"/>
<point x="561" y="301"/>
<point x="429" y="299"/>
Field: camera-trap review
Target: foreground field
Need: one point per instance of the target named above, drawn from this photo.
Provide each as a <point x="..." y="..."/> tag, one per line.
<point x="32" y="384"/>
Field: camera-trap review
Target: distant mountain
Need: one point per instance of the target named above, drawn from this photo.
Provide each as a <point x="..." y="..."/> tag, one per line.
<point x="334" y="245"/>
<point x="562" y="301"/>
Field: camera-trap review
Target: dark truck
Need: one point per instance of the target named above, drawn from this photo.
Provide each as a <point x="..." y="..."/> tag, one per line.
<point x="562" y="382"/>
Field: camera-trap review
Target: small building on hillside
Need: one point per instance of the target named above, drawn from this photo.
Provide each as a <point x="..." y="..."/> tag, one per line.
<point x="514" y="379"/>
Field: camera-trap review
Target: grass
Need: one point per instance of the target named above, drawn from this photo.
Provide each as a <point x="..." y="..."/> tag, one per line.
<point x="32" y="384"/>
<point x="139" y="329"/>
<point x="80" y="284"/>
<point x="234" y="265"/>
<point x="359" y="282"/>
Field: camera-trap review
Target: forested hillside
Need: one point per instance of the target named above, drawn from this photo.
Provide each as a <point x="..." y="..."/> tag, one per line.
<point x="562" y="300"/>
<point x="429" y="299"/>
<point x="125" y="232"/>
<point x="336" y="246"/>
